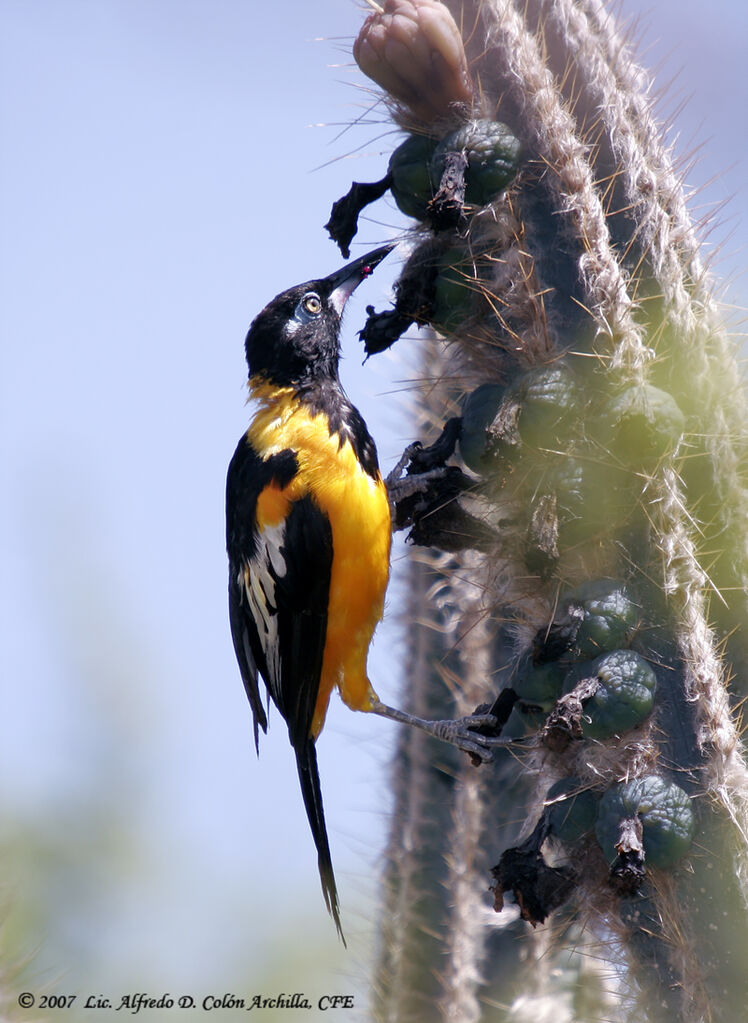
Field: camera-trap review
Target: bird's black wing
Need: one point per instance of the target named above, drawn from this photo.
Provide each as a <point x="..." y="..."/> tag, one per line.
<point x="279" y="580"/>
<point x="279" y="585"/>
<point x="247" y="475"/>
<point x="302" y="594"/>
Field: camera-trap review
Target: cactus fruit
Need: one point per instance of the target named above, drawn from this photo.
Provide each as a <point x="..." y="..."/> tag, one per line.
<point x="624" y="696"/>
<point x="478" y="445"/>
<point x="453" y="292"/>
<point x="493" y="156"/>
<point x="410" y="177"/>
<point x="607" y="613"/>
<point x="414" y="51"/>
<point x="641" y="425"/>
<point x="665" y="813"/>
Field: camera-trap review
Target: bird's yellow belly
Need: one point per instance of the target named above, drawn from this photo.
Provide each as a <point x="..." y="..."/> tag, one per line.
<point x="360" y="518"/>
<point x="358" y="510"/>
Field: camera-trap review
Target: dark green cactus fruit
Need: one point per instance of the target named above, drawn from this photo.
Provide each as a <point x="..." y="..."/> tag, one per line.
<point x="493" y="155"/>
<point x="608" y="616"/>
<point x="581" y="503"/>
<point x="539" y="685"/>
<point x="547" y="396"/>
<point x="532" y="411"/>
<point x="641" y="425"/>
<point x="410" y="175"/>
<point x="572" y="809"/>
<point x="624" y="697"/>
<point x="479" y="409"/>
<point x="664" y="811"/>
<point x="453" y="291"/>
<point x="522" y="723"/>
<point x="590" y="498"/>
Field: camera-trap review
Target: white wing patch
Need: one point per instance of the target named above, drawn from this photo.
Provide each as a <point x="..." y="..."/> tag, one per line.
<point x="257" y="585"/>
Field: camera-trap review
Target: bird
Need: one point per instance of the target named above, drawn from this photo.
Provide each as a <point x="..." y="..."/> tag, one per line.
<point x="308" y="536"/>
<point x="308" y="529"/>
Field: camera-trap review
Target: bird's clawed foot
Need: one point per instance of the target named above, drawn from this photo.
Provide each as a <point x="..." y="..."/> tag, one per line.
<point x="424" y="497"/>
<point x="475" y="734"/>
<point x="466" y="735"/>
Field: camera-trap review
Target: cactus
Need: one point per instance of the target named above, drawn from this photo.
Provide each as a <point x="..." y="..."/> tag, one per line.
<point x="607" y="472"/>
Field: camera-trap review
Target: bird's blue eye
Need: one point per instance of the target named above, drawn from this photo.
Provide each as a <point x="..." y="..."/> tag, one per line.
<point x="309" y="307"/>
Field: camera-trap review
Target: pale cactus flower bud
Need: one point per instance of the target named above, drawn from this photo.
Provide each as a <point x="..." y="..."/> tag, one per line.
<point x="414" y="51"/>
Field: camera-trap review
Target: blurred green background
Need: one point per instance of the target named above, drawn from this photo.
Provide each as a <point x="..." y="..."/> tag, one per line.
<point x="166" y="169"/>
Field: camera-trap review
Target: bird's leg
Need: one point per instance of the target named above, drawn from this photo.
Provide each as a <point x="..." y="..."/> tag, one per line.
<point x="420" y="459"/>
<point x="424" y="464"/>
<point x="461" y="732"/>
<point x="426" y="498"/>
<point x="400" y="489"/>
<point x="405" y="459"/>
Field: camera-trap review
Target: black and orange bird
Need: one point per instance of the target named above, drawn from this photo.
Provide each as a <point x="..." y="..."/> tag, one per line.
<point x="308" y="532"/>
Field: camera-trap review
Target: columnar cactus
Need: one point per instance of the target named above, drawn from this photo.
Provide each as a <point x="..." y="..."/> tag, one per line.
<point x="585" y="574"/>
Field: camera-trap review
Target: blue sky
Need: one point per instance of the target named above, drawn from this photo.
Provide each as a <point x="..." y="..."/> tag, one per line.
<point x="167" y="168"/>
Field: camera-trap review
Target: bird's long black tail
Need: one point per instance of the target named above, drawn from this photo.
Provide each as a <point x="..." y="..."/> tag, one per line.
<point x="306" y="761"/>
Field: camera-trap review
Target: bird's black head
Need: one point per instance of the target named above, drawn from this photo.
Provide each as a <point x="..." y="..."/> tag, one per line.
<point x="296" y="337"/>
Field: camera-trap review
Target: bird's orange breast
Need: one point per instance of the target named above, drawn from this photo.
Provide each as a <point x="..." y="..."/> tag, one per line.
<point x="358" y="510"/>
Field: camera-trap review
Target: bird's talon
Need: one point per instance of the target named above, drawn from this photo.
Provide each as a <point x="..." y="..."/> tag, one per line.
<point x="460" y="734"/>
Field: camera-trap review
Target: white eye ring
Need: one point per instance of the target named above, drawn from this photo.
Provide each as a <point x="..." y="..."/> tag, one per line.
<point x="309" y="307"/>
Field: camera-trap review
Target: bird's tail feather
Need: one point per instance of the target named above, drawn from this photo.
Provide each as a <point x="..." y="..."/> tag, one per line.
<point x="306" y="761"/>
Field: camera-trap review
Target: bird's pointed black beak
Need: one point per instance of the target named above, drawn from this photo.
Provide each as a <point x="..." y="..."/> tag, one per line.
<point x="345" y="281"/>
